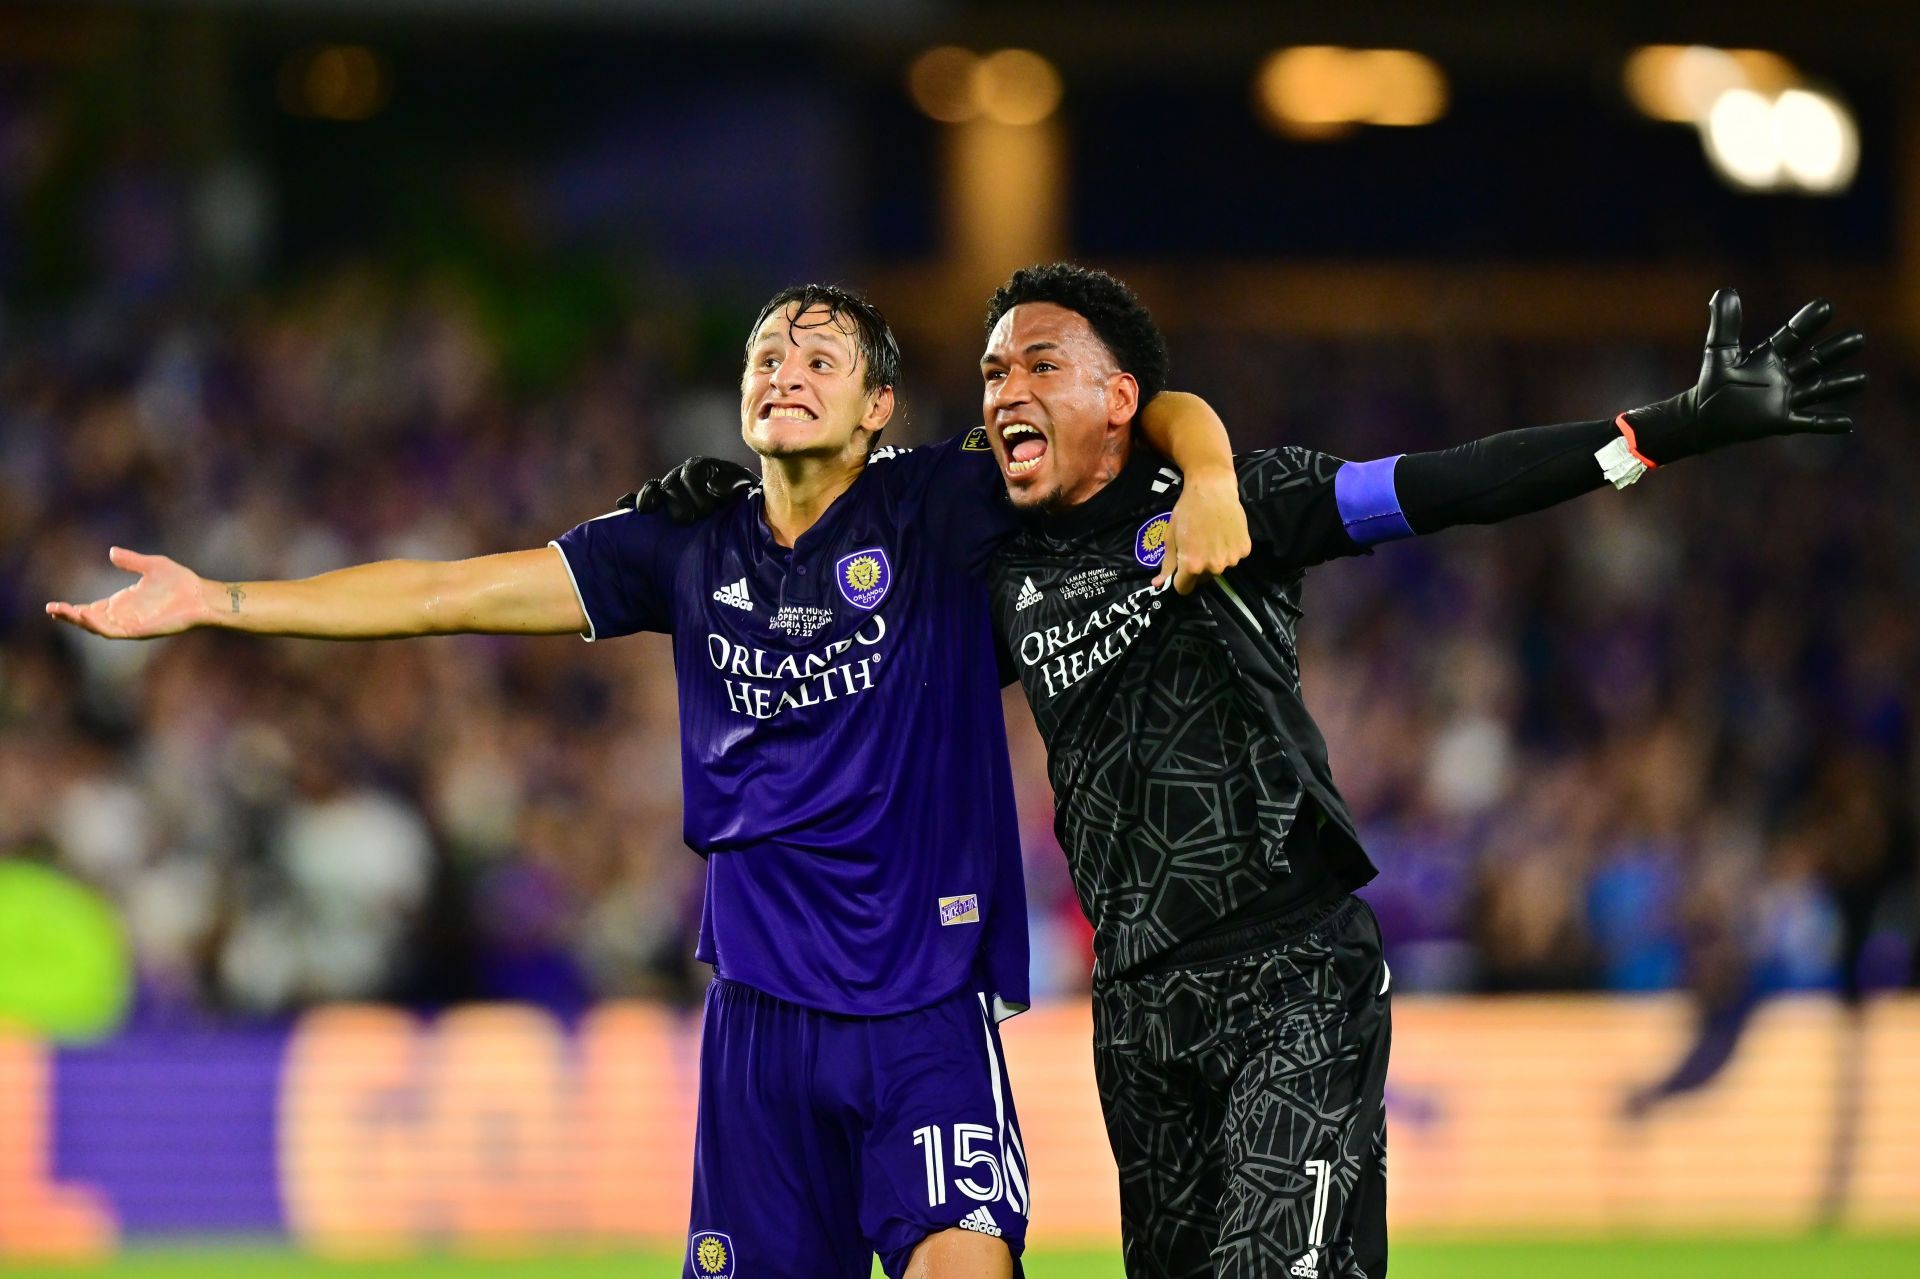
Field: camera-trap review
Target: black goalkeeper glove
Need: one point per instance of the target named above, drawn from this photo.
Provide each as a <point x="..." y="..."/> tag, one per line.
<point x="1774" y="389"/>
<point x="692" y="490"/>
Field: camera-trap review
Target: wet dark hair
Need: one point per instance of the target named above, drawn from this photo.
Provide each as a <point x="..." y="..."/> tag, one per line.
<point x="1117" y="317"/>
<point x="879" y="350"/>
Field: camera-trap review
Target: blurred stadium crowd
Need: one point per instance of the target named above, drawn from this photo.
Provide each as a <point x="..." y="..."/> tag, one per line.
<point x="1650" y="740"/>
<point x="1654" y="739"/>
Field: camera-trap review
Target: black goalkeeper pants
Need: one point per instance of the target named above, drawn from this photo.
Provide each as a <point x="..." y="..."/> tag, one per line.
<point x="1245" y="1103"/>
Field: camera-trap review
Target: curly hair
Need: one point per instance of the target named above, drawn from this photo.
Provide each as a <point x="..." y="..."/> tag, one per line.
<point x="1117" y="317"/>
<point x="878" y="348"/>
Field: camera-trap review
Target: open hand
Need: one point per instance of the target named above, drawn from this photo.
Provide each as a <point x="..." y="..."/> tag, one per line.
<point x="1780" y="387"/>
<point x="167" y="599"/>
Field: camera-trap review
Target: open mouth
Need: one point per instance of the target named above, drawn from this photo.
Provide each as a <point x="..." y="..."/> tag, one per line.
<point x="785" y="413"/>
<point x="1025" y="447"/>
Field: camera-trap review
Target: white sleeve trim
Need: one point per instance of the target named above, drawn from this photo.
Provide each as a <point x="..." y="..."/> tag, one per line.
<point x="592" y="632"/>
<point x="1002" y="1009"/>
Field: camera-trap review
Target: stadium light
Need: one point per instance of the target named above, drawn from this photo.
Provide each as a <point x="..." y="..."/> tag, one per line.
<point x="1323" y="91"/>
<point x="1761" y="127"/>
<point x="1801" y="140"/>
<point x="1740" y="142"/>
<point x="1680" y="83"/>
<point x="1765" y="70"/>
<point x="1409" y="89"/>
<point x="1647" y="77"/>
<point x="941" y="83"/>
<point x="1312" y="88"/>
<point x="334" y="82"/>
<point x="1818" y="143"/>
<point x="1016" y="86"/>
<point x="955" y="85"/>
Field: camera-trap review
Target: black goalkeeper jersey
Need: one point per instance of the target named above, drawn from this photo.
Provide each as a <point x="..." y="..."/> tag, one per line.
<point x="1178" y="746"/>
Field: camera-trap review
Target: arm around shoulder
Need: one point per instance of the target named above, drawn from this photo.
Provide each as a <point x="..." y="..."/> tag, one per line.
<point x="1209" y="532"/>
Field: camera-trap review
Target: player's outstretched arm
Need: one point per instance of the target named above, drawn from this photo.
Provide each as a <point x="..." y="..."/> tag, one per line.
<point x="1783" y="386"/>
<point x="516" y="593"/>
<point x="1209" y="532"/>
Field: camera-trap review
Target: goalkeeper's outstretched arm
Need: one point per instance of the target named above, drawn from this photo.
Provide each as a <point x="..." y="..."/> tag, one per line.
<point x="1783" y="386"/>
<point x="516" y="593"/>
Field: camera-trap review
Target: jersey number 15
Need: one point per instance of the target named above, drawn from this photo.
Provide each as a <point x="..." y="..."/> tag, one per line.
<point x="966" y="1154"/>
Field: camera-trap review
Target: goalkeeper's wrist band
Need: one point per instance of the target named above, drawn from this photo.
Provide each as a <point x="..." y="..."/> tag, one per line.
<point x="1621" y="460"/>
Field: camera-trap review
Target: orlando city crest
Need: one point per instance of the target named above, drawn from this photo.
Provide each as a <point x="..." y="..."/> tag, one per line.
<point x="712" y="1254"/>
<point x="864" y="577"/>
<point x="1150" y="543"/>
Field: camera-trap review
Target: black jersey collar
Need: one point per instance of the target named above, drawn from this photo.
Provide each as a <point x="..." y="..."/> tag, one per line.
<point x="1129" y="490"/>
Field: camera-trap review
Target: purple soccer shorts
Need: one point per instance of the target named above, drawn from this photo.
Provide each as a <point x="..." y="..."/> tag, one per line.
<point x="825" y="1139"/>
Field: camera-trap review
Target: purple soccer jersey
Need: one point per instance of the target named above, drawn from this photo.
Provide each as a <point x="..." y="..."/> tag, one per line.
<point x="844" y="758"/>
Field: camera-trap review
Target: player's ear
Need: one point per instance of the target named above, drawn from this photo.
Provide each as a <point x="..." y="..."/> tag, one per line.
<point x="879" y="409"/>
<point x="1123" y="399"/>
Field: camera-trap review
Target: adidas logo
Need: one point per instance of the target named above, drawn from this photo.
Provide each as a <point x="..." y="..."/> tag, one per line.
<point x="1029" y="596"/>
<point x="1306" y="1267"/>
<point x="981" y="1220"/>
<point x="735" y="595"/>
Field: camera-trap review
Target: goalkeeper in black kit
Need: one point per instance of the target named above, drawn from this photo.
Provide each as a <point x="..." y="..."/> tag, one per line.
<point x="1240" y="999"/>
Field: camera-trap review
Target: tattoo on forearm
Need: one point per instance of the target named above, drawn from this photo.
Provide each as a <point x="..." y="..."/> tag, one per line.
<point x="236" y="593"/>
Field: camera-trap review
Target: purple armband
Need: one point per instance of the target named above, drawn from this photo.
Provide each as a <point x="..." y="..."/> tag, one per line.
<point x="1368" y="505"/>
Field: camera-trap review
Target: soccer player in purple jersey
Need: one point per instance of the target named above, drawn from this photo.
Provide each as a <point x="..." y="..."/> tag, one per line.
<point x="846" y="778"/>
<point x="1241" y="1000"/>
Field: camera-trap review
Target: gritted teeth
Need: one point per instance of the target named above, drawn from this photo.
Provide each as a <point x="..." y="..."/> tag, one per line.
<point x="793" y="411"/>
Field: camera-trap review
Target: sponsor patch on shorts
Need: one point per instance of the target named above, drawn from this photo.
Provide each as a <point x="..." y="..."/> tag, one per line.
<point x="960" y="910"/>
